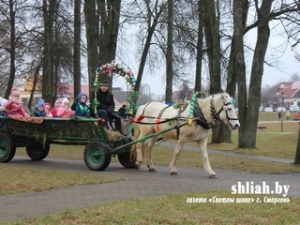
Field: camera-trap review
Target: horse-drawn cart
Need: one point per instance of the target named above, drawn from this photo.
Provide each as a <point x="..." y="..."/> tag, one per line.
<point x="37" y="134"/>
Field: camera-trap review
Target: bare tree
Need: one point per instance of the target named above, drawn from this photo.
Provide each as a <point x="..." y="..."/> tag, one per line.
<point x="265" y="13"/>
<point x="92" y="37"/>
<point x="199" y="57"/>
<point x="211" y="26"/>
<point x="102" y="25"/>
<point x="169" y="57"/>
<point x="77" y="40"/>
<point x="152" y="20"/>
<point x="237" y="67"/>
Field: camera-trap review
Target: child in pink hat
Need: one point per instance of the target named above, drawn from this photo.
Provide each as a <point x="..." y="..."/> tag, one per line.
<point x="57" y="105"/>
<point x="14" y="106"/>
<point x="48" y="110"/>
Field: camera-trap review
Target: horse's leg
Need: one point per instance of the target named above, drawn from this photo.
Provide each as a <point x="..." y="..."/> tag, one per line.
<point x="149" y="157"/>
<point x="176" y="153"/>
<point x="203" y="147"/>
<point x="141" y="147"/>
<point x="139" y="154"/>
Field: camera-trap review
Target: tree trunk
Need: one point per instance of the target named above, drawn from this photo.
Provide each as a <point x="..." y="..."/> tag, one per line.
<point x="297" y="156"/>
<point x="247" y="137"/>
<point x="49" y="18"/>
<point x="211" y="26"/>
<point x="92" y="38"/>
<point x="169" y="59"/>
<point x="236" y="68"/>
<point x="12" y="49"/>
<point x="198" y="75"/>
<point x="77" y="33"/>
<point x="110" y="19"/>
<point x="35" y="78"/>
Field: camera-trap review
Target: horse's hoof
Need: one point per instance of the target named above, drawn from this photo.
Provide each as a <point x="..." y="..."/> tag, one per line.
<point x="136" y="166"/>
<point x="152" y="170"/>
<point x="213" y="176"/>
<point x="174" y="173"/>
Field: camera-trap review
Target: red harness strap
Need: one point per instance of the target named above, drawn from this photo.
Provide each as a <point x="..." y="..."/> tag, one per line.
<point x="157" y="121"/>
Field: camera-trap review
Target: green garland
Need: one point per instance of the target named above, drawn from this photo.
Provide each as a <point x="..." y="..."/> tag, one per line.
<point x="116" y="68"/>
<point x="201" y="94"/>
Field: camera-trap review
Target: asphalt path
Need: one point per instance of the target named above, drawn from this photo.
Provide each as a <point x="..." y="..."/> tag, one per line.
<point x="137" y="184"/>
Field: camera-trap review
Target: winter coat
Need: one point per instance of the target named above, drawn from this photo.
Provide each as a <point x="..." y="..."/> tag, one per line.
<point x="81" y="108"/>
<point x="38" y="113"/>
<point x="15" y="109"/>
<point x="106" y="101"/>
<point x="63" y="112"/>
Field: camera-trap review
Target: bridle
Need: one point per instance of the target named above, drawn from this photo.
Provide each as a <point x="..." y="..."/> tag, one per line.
<point x="215" y="114"/>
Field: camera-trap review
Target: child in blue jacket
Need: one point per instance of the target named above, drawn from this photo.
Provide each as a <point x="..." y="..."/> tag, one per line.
<point x="80" y="106"/>
<point x="39" y="109"/>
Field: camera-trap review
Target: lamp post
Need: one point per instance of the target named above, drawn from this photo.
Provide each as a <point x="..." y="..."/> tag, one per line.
<point x="282" y="104"/>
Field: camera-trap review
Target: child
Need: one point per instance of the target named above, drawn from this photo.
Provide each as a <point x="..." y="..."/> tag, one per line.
<point x="64" y="111"/>
<point x="296" y="116"/>
<point x="48" y="110"/>
<point x="80" y="107"/>
<point x="39" y="110"/>
<point x="3" y="101"/>
<point x="122" y="111"/>
<point x="57" y="105"/>
<point x="14" y="106"/>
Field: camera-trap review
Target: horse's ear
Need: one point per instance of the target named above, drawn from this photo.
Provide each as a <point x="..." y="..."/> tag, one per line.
<point x="224" y="95"/>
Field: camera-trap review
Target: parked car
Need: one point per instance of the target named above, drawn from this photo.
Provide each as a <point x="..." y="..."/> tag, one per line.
<point x="280" y="109"/>
<point x="268" y="109"/>
<point x="294" y="108"/>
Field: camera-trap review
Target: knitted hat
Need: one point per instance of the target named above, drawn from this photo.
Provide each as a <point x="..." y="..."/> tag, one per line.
<point x="47" y="105"/>
<point x="65" y="100"/>
<point x="41" y="103"/>
<point x="15" y="91"/>
<point x="104" y="83"/>
<point x="80" y="95"/>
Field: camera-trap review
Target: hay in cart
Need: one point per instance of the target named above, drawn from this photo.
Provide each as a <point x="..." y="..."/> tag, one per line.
<point x="71" y="129"/>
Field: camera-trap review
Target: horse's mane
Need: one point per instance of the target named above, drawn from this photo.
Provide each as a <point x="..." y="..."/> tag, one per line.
<point x="218" y="100"/>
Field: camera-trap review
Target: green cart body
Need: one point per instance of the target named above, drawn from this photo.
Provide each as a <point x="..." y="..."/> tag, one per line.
<point x="37" y="137"/>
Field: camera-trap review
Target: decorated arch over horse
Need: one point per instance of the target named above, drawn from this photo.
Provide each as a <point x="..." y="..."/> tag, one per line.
<point x="117" y="69"/>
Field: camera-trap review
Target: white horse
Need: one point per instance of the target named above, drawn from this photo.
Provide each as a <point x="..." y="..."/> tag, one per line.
<point x="190" y="123"/>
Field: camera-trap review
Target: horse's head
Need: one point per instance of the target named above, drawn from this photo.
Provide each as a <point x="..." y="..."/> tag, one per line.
<point x="222" y="108"/>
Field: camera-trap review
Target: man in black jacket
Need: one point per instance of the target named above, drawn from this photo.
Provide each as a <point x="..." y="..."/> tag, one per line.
<point x="106" y="106"/>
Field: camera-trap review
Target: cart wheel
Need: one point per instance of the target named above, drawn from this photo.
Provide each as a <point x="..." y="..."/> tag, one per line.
<point x="37" y="151"/>
<point x="96" y="155"/>
<point x="7" y="147"/>
<point x="126" y="161"/>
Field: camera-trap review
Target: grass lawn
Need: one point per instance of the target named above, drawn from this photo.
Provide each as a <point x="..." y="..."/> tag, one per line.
<point x="174" y="209"/>
<point x="19" y="179"/>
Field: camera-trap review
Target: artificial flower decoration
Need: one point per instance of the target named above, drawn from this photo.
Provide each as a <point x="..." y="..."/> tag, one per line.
<point x="114" y="68"/>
